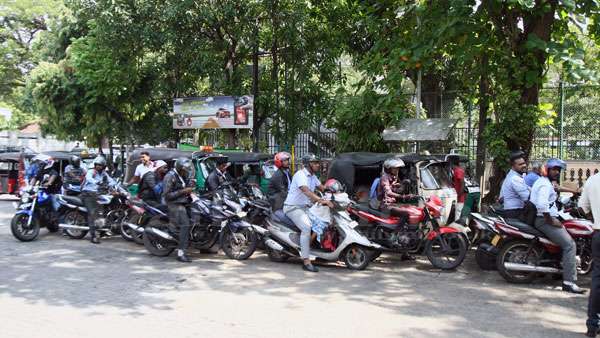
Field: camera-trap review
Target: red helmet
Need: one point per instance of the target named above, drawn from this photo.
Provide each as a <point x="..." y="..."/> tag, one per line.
<point x="334" y="186"/>
<point x="280" y="157"/>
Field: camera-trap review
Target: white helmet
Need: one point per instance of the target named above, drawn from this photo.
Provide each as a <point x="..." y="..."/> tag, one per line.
<point x="393" y="163"/>
<point x="43" y="160"/>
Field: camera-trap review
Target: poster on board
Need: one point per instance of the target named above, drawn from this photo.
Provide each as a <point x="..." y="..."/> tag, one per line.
<point x="213" y="112"/>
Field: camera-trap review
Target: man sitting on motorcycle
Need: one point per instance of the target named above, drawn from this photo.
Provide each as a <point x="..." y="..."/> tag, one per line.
<point x="300" y="197"/>
<point x="96" y="181"/>
<point x="151" y="184"/>
<point x="176" y="193"/>
<point x="544" y="197"/>
<point x="514" y="191"/>
<point x="218" y="176"/>
<point x="392" y="190"/>
<point x="47" y="176"/>
<point x="74" y="175"/>
<point x="280" y="181"/>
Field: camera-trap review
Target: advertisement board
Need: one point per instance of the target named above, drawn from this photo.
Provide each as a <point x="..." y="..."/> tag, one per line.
<point x="213" y="112"/>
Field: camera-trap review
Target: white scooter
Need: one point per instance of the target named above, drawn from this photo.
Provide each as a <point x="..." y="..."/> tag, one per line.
<point x="346" y="244"/>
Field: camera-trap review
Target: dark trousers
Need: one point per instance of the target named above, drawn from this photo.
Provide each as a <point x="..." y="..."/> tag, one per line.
<point x="594" y="301"/>
<point x="90" y="200"/>
<point x="512" y="213"/>
<point x="178" y="216"/>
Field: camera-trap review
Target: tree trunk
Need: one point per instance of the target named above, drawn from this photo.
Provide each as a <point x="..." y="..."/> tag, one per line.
<point x="110" y="152"/>
<point x="483" y="115"/>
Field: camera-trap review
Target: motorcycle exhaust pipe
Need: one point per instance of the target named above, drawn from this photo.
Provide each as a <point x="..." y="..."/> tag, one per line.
<point x="161" y="233"/>
<point x="273" y="245"/>
<point x="530" y="268"/>
<point x="74" y="227"/>
<point x="135" y="227"/>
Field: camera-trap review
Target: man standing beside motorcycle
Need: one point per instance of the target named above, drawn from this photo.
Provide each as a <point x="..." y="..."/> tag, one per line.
<point x="73" y="176"/>
<point x="543" y="196"/>
<point x="514" y="191"/>
<point x="300" y="198"/>
<point x="96" y="181"/>
<point x="142" y="168"/>
<point x="590" y="202"/>
<point x="280" y="181"/>
<point x="176" y="193"/>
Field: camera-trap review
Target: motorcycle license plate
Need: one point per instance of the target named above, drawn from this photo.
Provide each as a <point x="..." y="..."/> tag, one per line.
<point x="495" y="240"/>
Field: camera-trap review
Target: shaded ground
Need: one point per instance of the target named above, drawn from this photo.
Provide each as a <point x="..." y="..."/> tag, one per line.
<point x="57" y="287"/>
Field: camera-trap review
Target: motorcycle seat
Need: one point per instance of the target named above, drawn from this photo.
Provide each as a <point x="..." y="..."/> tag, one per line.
<point x="366" y="208"/>
<point x="72" y="200"/>
<point x="279" y="216"/>
<point x="525" y="227"/>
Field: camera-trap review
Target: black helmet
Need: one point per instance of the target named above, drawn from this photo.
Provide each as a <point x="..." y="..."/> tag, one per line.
<point x="75" y="161"/>
<point x="309" y="157"/>
<point x="100" y="160"/>
<point x="183" y="166"/>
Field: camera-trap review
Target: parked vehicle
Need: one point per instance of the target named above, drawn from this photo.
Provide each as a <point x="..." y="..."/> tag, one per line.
<point x="418" y="232"/>
<point x="34" y="211"/>
<point x="482" y="232"/>
<point x="111" y="211"/>
<point x="348" y="245"/>
<point x="524" y="252"/>
<point x="138" y="216"/>
<point x="211" y="221"/>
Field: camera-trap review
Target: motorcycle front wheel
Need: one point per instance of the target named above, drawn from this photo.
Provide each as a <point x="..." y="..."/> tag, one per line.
<point x="156" y="245"/>
<point x="446" y="251"/>
<point x="356" y="257"/>
<point x="518" y="252"/>
<point x="75" y="217"/>
<point x="239" y="245"/>
<point x="22" y="232"/>
<point x="127" y="232"/>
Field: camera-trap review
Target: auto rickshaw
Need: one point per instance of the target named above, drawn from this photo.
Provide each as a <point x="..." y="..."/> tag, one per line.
<point x="12" y="167"/>
<point x="428" y="175"/>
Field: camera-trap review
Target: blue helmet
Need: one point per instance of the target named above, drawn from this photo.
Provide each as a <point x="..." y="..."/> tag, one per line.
<point x="556" y="163"/>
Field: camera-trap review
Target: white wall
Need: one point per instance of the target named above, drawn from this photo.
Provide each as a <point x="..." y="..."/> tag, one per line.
<point x="34" y="141"/>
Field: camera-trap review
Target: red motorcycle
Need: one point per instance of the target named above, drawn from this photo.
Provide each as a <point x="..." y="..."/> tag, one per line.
<point x="524" y="251"/>
<point x="416" y="231"/>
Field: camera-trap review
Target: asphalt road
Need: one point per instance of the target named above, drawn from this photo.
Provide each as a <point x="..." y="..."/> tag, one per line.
<point x="58" y="287"/>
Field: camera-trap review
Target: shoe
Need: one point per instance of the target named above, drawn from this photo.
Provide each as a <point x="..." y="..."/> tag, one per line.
<point x="95" y="240"/>
<point x="573" y="288"/>
<point x="592" y="332"/>
<point x="182" y="257"/>
<point x="309" y="267"/>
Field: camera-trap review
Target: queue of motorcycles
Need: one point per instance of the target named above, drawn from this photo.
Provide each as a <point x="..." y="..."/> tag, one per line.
<point x="239" y="220"/>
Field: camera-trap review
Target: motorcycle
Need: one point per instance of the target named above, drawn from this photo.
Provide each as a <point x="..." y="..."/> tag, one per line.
<point x="524" y="251"/>
<point x="416" y="233"/>
<point x="34" y="211"/>
<point x="484" y="229"/>
<point x="111" y="210"/>
<point x="211" y="221"/>
<point x="345" y="243"/>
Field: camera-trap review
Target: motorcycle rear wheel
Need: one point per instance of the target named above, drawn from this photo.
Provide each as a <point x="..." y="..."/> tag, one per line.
<point x="238" y="245"/>
<point x="515" y="252"/>
<point x="19" y="229"/>
<point x="447" y="250"/>
<point x="156" y="246"/>
<point x="75" y="217"/>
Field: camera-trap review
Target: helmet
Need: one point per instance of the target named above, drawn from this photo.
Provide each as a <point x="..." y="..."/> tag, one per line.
<point x="309" y="157"/>
<point x="280" y="157"/>
<point x="44" y="161"/>
<point x="556" y="163"/>
<point x="184" y="166"/>
<point x="101" y="161"/>
<point x="159" y="164"/>
<point x="334" y="185"/>
<point x="393" y="163"/>
<point x="75" y="160"/>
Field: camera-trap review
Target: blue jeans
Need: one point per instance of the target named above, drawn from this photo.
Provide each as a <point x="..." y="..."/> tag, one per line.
<point x="299" y="215"/>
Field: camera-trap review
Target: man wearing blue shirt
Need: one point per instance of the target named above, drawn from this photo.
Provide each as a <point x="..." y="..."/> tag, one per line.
<point x="300" y="197"/>
<point x="96" y="181"/>
<point x="544" y="197"/>
<point x="514" y="191"/>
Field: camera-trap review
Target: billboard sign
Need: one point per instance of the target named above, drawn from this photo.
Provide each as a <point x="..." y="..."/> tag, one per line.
<point x="213" y="112"/>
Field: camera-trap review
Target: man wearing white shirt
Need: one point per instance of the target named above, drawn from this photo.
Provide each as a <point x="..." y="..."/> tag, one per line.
<point x="142" y="168"/>
<point x="590" y="202"/>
